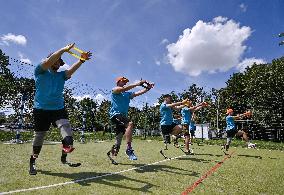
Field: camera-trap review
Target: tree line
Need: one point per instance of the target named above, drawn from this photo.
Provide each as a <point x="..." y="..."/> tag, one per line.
<point x="260" y="88"/>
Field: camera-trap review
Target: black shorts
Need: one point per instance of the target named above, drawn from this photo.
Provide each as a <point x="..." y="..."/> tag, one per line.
<point x="192" y="132"/>
<point x="44" y="118"/>
<point x="168" y="129"/>
<point x="121" y="122"/>
<point x="231" y="133"/>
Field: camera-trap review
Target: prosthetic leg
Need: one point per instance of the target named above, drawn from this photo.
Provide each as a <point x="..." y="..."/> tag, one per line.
<point x="115" y="148"/>
<point x="67" y="142"/>
<point x="167" y="140"/>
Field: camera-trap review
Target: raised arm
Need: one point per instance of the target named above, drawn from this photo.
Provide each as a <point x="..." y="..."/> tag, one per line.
<point x="126" y="87"/>
<point x="246" y="114"/>
<point x="147" y="88"/>
<point x="48" y="62"/>
<point x="77" y="64"/>
<point x="176" y="104"/>
<point x="198" y="107"/>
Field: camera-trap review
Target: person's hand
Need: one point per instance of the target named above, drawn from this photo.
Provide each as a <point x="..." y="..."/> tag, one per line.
<point x="86" y="55"/>
<point x="68" y="47"/>
<point x="185" y="102"/>
<point x="248" y="114"/>
<point x="141" y="82"/>
<point x="150" y="85"/>
<point x="205" y="104"/>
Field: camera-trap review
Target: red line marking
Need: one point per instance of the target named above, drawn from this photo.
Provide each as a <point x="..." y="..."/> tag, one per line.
<point x="208" y="173"/>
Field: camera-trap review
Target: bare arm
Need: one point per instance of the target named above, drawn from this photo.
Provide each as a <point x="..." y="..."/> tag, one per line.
<point x="199" y="106"/>
<point x="179" y="107"/>
<point x="77" y="64"/>
<point x="146" y="88"/>
<point x="124" y="88"/>
<point x="140" y="92"/>
<point x="131" y="86"/>
<point x="48" y="62"/>
<point x="174" y="105"/>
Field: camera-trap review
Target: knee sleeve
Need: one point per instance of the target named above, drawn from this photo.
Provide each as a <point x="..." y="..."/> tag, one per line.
<point x="38" y="138"/>
<point x="67" y="141"/>
<point x="118" y="139"/>
<point x="65" y="127"/>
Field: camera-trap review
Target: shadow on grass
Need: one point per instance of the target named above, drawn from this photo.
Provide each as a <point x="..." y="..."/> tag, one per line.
<point x="196" y="159"/>
<point x="249" y="156"/>
<point x="217" y="155"/>
<point x="86" y="178"/>
<point x="164" y="168"/>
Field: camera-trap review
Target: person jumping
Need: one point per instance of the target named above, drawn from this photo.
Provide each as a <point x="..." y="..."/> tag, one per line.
<point x="231" y="129"/>
<point x="49" y="103"/>
<point x="120" y="99"/>
<point x="186" y="113"/>
<point x="168" y="127"/>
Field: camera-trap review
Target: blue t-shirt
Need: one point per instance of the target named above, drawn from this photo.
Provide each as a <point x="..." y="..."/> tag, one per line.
<point x="120" y="103"/>
<point x="49" y="89"/>
<point x="186" y="116"/>
<point x="230" y="123"/>
<point x="177" y="121"/>
<point x="166" y="115"/>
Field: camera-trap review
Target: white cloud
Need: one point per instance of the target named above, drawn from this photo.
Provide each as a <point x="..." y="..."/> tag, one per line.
<point x="219" y="19"/>
<point x="24" y="59"/>
<point x="209" y="47"/>
<point x="17" y="39"/>
<point x="157" y="62"/>
<point x="248" y="62"/>
<point x="79" y="98"/>
<point x="139" y="62"/>
<point x="243" y="7"/>
<point x="100" y="98"/>
<point x="164" y="41"/>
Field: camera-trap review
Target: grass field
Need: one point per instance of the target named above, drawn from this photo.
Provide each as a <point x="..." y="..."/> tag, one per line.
<point x="247" y="171"/>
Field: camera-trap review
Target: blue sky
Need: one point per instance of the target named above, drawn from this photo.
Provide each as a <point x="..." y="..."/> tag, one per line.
<point x="173" y="43"/>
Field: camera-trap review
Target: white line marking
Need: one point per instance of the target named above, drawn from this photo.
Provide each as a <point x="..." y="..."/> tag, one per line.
<point x="89" y="178"/>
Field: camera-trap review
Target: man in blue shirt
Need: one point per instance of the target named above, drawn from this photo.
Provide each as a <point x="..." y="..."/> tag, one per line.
<point x="186" y="113"/>
<point x="231" y="129"/>
<point x="120" y="99"/>
<point x="49" y="103"/>
<point x="168" y="126"/>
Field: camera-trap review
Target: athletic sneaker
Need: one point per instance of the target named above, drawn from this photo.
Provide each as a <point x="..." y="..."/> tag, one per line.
<point x="251" y="145"/>
<point x="189" y="152"/>
<point x="130" y="154"/>
<point x="67" y="149"/>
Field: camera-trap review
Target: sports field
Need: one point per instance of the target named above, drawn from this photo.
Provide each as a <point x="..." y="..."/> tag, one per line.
<point x="247" y="171"/>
